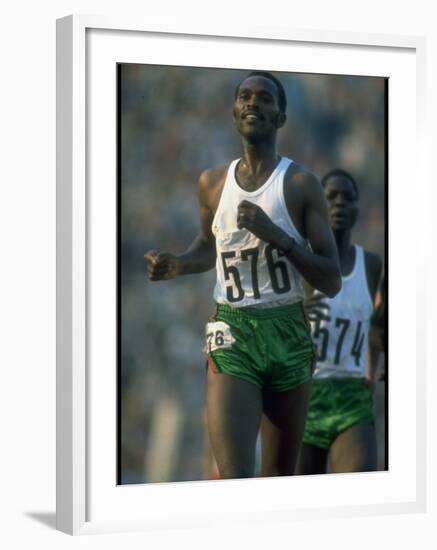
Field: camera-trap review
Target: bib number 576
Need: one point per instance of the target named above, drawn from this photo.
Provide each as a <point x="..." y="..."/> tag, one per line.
<point x="278" y="272"/>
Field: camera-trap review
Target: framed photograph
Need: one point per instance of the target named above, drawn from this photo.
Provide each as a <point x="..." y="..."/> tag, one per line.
<point x="142" y="111"/>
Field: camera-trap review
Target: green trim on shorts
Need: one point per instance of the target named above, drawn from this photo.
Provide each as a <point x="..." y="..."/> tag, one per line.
<point x="336" y="404"/>
<point x="272" y="347"/>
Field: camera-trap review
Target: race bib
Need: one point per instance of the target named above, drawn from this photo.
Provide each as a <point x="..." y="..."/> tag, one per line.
<point x="218" y="336"/>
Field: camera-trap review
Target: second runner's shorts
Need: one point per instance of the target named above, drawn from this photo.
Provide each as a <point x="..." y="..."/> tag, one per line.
<point x="336" y="404"/>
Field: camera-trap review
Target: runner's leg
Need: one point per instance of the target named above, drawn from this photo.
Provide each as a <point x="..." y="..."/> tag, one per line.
<point x="234" y="412"/>
<point x="282" y="429"/>
<point x="312" y="460"/>
<point x="354" y="450"/>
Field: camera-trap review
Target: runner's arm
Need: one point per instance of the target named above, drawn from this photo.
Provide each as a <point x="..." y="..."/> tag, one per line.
<point x="319" y="266"/>
<point x="201" y="254"/>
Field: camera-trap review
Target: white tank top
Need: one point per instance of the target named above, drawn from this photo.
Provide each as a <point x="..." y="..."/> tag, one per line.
<point x="250" y="272"/>
<point x="342" y="342"/>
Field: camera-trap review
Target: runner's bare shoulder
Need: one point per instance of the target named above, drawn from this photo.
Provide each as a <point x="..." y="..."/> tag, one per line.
<point x="301" y="181"/>
<point x="211" y="182"/>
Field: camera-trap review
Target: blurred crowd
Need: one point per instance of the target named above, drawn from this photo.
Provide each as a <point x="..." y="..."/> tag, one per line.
<point x="175" y="123"/>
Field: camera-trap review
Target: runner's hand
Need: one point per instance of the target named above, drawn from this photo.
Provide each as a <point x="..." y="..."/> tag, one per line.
<point x="315" y="308"/>
<point x="382" y="375"/>
<point x="254" y="219"/>
<point x="161" y="266"/>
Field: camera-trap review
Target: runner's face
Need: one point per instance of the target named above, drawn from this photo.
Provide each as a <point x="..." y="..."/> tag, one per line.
<point x="256" y="109"/>
<point x="342" y="203"/>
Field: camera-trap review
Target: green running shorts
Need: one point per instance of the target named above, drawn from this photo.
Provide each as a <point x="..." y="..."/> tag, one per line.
<point x="336" y="404"/>
<point x="271" y="348"/>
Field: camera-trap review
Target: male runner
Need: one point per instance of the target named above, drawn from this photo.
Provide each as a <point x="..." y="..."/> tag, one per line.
<point x="257" y="216"/>
<point x="340" y="416"/>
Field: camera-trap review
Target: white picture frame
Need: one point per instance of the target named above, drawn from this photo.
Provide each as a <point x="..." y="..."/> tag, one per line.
<point x="80" y="487"/>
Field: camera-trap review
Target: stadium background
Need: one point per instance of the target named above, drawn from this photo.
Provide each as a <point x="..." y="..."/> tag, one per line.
<point x="174" y="123"/>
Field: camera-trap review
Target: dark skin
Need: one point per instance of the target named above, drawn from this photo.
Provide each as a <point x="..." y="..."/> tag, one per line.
<point x="378" y="328"/>
<point x="258" y="117"/>
<point x="354" y="450"/>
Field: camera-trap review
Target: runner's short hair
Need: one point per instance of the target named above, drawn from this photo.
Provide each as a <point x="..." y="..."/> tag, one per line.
<point x="282" y="97"/>
<point x="343" y="174"/>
